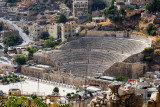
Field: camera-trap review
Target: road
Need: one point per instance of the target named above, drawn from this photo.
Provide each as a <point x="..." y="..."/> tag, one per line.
<point x="25" y="38"/>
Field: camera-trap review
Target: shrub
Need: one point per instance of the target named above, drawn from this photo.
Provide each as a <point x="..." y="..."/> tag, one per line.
<point x="21" y="60"/>
<point x="62" y="19"/>
<point x="26" y="31"/>
<point x="151" y="29"/>
<point x="45" y="35"/>
<point x="50" y="44"/>
<point x="121" y="78"/>
<point x="153" y="32"/>
<point x="149" y="50"/>
<point x="56" y="89"/>
<point x="68" y="95"/>
<point x="11" y="40"/>
<point x="148" y="59"/>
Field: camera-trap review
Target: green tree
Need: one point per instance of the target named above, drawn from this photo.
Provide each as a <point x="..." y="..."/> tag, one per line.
<point x="62" y="19"/>
<point x="11" y="40"/>
<point x="151" y="29"/>
<point x="122" y="11"/>
<point x="111" y="12"/>
<point x="51" y="38"/>
<point x="21" y="60"/>
<point x="153" y="7"/>
<point x="98" y="5"/>
<point x="89" y="17"/>
<point x="26" y="31"/>
<point x="129" y="8"/>
<point x="68" y="3"/>
<point x="148" y="58"/>
<point x="45" y="35"/>
<point x="68" y="94"/>
<point x="31" y="52"/>
<point x="149" y="50"/>
<point x="5" y="49"/>
<point x="148" y="7"/>
<point x="56" y="89"/>
<point x="50" y="44"/>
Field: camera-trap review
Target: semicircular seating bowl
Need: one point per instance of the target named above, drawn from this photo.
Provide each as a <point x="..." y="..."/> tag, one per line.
<point x="95" y="54"/>
<point x="124" y="45"/>
<point x="86" y="57"/>
<point x="81" y="69"/>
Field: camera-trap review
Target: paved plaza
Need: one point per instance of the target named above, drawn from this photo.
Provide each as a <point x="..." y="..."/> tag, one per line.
<point x="31" y="86"/>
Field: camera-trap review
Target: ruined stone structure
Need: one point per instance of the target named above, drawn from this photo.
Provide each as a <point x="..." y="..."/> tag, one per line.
<point x="118" y="95"/>
<point x="131" y="70"/>
<point x="154" y="99"/>
<point x="6" y="69"/>
<point x="91" y="56"/>
<point x="36" y="70"/>
<point x="43" y="58"/>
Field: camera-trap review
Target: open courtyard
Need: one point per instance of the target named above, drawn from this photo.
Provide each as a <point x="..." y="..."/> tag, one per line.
<point x="31" y="86"/>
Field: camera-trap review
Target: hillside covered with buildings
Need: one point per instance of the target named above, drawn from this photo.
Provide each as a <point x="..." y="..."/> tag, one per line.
<point x="79" y="53"/>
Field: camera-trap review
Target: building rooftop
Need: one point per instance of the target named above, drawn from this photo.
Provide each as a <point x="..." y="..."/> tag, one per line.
<point x="93" y="89"/>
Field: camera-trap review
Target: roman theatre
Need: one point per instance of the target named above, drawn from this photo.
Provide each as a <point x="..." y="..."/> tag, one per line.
<point x="91" y="55"/>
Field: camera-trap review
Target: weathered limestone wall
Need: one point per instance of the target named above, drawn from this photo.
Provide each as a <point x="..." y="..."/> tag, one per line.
<point x="6" y="69"/>
<point x="120" y="34"/>
<point x="100" y="83"/>
<point x="107" y="33"/>
<point x="64" y="78"/>
<point x="32" y="71"/>
<point x="130" y="70"/>
<point x="134" y="58"/>
<point x="118" y="95"/>
<point x="43" y="58"/>
<point x="154" y="99"/>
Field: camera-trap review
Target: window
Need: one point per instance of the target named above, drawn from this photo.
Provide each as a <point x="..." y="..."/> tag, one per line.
<point x="142" y="95"/>
<point x="149" y="95"/>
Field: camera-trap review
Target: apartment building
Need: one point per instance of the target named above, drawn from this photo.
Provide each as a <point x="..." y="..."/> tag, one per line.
<point x="57" y="30"/>
<point x="35" y="31"/>
<point x="2" y="3"/>
<point x="62" y="30"/>
<point x="80" y="8"/>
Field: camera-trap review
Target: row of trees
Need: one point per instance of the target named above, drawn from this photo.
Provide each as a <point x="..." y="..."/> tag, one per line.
<point x="11" y="78"/>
